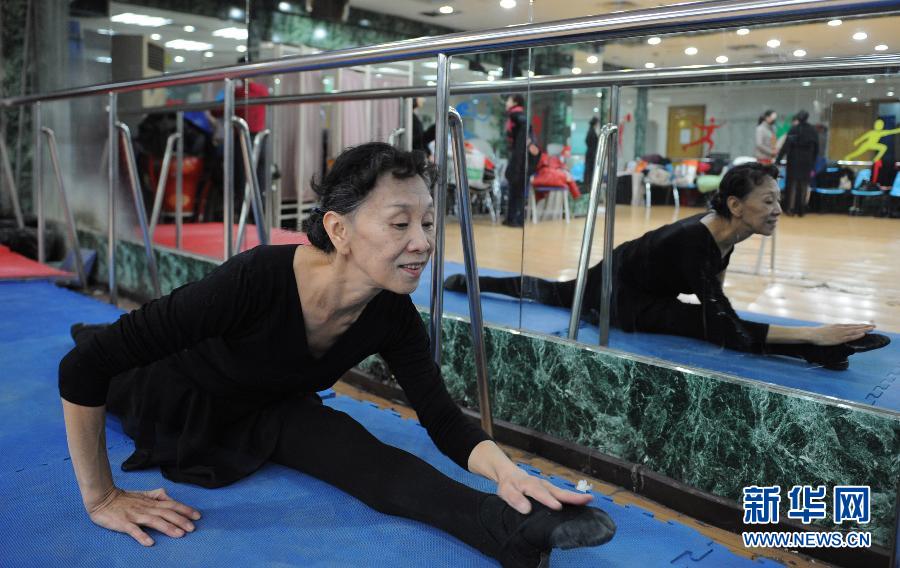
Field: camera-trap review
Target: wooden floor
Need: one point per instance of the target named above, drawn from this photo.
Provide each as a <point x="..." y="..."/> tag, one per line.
<point x="829" y="268"/>
<point x="619" y="495"/>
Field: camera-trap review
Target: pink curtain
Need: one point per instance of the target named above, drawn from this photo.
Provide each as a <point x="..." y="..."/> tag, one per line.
<point x="356" y="125"/>
<point x="299" y="131"/>
<point x="386" y="112"/>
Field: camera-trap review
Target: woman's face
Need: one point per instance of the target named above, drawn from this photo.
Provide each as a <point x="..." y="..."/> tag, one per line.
<point x="771" y="118"/>
<point x="760" y="209"/>
<point x="392" y="233"/>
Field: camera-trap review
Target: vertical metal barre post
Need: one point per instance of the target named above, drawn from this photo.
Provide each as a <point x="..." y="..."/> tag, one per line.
<point x="228" y="169"/>
<point x="472" y="288"/>
<point x="10" y="180"/>
<point x="270" y="207"/>
<point x="609" y="226"/>
<point x="587" y="239"/>
<point x="70" y="220"/>
<point x="179" y="178"/>
<point x="441" y="118"/>
<point x="252" y="183"/>
<point x="37" y="167"/>
<point x="112" y="164"/>
<point x="161" y="182"/>
<point x="407" y="109"/>
<point x="131" y="166"/>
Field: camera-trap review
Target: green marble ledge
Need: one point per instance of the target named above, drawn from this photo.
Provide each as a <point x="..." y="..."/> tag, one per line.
<point x="710" y="431"/>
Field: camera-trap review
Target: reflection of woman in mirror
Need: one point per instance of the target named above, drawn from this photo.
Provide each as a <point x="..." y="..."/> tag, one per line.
<point x="690" y="256"/>
<point x="220" y="376"/>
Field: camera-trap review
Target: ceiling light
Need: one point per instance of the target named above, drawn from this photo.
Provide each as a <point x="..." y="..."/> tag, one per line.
<point x="140" y="20"/>
<point x="592" y="59"/>
<point x="241" y="48"/>
<point x="490" y="77"/>
<point x="106" y="31"/>
<point x="881" y="47"/>
<point x="870" y="80"/>
<point x="431" y="83"/>
<point x="231" y="33"/>
<point x="853" y="99"/>
<point x="108" y="59"/>
<point x="859" y="36"/>
<point x="596" y="109"/>
<point x="840" y="95"/>
<point x="890" y="93"/>
<point x="531" y="73"/>
<point x="189" y="29"/>
<point x="806" y="83"/>
<point x="236" y="14"/>
<point x="155" y="37"/>
<point x="773" y="43"/>
<point x="743" y="31"/>
<point x="576" y="70"/>
<point x="834" y="23"/>
<point x="654" y="40"/>
<point x="799" y="53"/>
<point x="508" y="4"/>
<point x="284" y="6"/>
<point x="722" y="59"/>
<point x="320" y="33"/>
<point x="188" y="45"/>
<point x="433" y="65"/>
<point x="429" y="77"/>
<point x="208" y="54"/>
<point x="365" y="23"/>
<point x="649" y="65"/>
<point x="599" y="94"/>
<point x="179" y="59"/>
<point x="446" y="9"/>
<point x="690" y="51"/>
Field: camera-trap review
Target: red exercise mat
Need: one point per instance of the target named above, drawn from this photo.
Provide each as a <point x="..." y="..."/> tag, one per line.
<point x="207" y="239"/>
<point x="14" y="266"/>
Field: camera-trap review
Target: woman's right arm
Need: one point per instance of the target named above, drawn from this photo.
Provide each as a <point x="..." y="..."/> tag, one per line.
<point x="108" y="506"/>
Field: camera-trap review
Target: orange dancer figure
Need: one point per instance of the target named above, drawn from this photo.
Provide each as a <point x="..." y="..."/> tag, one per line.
<point x="708" y="130"/>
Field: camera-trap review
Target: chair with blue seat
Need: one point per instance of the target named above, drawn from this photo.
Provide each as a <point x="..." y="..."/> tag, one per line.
<point x="893" y="197"/>
<point x="829" y="191"/>
<point x="862" y="178"/>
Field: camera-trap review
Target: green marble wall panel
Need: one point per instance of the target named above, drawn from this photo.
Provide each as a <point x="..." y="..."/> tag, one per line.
<point x="713" y="432"/>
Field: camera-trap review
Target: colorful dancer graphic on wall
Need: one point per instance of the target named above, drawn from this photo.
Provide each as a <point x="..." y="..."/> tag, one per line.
<point x="707" y="131"/>
<point x="871" y="142"/>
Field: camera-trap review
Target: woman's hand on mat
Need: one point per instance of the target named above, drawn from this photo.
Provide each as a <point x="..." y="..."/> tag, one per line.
<point x="515" y="486"/>
<point x="835" y="334"/>
<point x="128" y="511"/>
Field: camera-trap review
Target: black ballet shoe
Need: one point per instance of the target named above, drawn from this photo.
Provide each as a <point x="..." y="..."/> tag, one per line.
<point x="80" y="331"/>
<point x="525" y="541"/>
<point x="455" y="283"/>
<point x="831" y="357"/>
<point x="868" y="342"/>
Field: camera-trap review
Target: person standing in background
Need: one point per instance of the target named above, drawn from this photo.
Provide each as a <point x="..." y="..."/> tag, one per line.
<point x="418" y="133"/>
<point x="801" y="147"/>
<point x="517" y="168"/>
<point x="591" y="140"/>
<point x="766" y="140"/>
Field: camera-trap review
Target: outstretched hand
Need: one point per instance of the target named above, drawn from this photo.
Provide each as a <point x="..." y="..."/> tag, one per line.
<point x="835" y="334"/>
<point x="128" y="511"/>
<point x="518" y="485"/>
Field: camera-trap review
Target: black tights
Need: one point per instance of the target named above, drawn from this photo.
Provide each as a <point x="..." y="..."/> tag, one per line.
<point x="333" y="447"/>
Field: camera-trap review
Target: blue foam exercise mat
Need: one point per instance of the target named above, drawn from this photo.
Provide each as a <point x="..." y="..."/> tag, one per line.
<point x="275" y="517"/>
<point x="871" y="378"/>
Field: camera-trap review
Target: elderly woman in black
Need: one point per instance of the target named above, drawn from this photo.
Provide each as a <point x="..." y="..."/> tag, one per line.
<point x="221" y="376"/>
<point x="690" y="256"/>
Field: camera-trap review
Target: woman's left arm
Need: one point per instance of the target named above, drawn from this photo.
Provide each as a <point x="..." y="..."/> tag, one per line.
<point x="514" y="484"/>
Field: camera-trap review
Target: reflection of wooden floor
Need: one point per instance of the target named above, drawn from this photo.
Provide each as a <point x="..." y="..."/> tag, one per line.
<point x="829" y="268"/>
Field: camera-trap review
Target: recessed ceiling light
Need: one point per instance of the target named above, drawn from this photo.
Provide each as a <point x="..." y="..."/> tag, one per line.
<point x="236" y="14"/>
<point x="431" y="83"/>
<point x="596" y="109"/>
<point x="870" y="80"/>
<point x="600" y="94"/>
<point x="654" y="40"/>
<point x="284" y="6"/>
<point x="433" y="65"/>
<point x="188" y="45"/>
<point x="649" y="65"/>
<point x="208" y="54"/>
<point x="859" y="36"/>
<point x="881" y="47"/>
<point x="231" y="33"/>
<point x="431" y="77"/>
<point x="365" y="23"/>
<point x="834" y="23"/>
<point x="508" y="4"/>
<point x="320" y="33"/>
<point x="140" y="20"/>
<point x="241" y="48"/>
<point x="189" y="29"/>
<point x="277" y="81"/>
<point x="107" y="31"/>
<point x="743" y="31"/>
<point x="799" y="53"/>
<point x="690" y="51"/>
<point x="592" y="59"/>
<point x="806" y="83"/>
<point x="576" y="70"/>
<point x="773" y="43"/>
<point x="722" y="59"/>
<point x="179" y="59"/>
<point x="446" y="9"/>
<point x="853" y="99"/>
<point x="155" y="37"/>
<point x="840" y="95"/>
<point x="890" y="93"/>
<point x="108" y="59"/>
